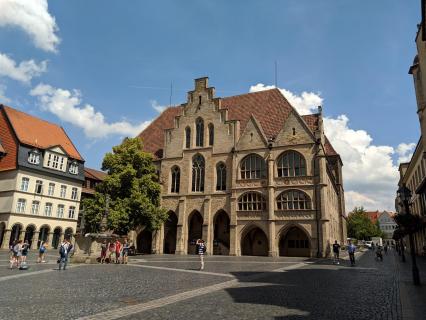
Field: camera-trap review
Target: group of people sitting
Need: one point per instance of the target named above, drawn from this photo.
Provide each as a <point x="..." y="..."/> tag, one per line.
<point x="115" y="252"/>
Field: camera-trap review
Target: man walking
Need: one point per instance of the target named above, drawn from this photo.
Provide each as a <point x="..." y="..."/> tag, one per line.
<point x="64" y="251"/>
<point x="336" y="250"/>
<point x="200" y="249"/>
<point x="351" y="251"/>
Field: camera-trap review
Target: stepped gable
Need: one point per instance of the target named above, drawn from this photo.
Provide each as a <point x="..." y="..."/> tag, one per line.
<point x="269" y="107"/>
<point x="39" y="133"/>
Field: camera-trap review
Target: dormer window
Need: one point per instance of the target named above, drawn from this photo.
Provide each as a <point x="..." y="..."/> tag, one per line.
<point x="34" y="156"/>
<point x="55" y="161"/>
<point x="73" y="168"/>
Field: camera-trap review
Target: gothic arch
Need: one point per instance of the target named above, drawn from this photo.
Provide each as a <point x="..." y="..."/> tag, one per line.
<point x="170" y="233"/>
<point x="294" y="241"/>
<point x="195" y="230"/>
<point x="254" y="241"/>
<point x="221" y="233"/>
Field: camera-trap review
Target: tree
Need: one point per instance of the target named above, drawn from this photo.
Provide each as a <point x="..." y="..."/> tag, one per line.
<point x="360" y="226"/>
<point x="133" y="188"/>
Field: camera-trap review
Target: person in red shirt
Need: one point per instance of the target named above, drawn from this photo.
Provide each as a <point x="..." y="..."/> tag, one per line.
<point x="117" y="251"/>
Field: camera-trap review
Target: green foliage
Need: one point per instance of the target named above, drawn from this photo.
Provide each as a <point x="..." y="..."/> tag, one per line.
<point x="133" y="187"/>
<point x="360" y="226"/>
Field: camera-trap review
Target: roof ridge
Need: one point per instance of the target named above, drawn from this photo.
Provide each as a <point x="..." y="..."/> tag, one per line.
<point x="30" y="115"/>
<point x="249" y="93"/>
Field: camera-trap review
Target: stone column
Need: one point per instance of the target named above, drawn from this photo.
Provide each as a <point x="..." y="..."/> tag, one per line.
<point x="233" y="237"/>
<point x="160" y="244"/>
<point x="272" y="252"/>
<point x="49" y="239"/>
<point x="181" y="241"/>
<point x="35" y="240"/>
<point x="207" y="234"/>
<point x="22" y="235"/>
<point x="233" y="241"/>
<point x="6" y="239"/>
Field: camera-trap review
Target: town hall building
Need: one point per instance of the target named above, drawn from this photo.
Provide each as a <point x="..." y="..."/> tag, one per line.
<point x="247" y="174"/>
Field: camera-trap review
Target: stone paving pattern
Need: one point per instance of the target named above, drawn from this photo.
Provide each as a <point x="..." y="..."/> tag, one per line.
<point x="316" y="290"/>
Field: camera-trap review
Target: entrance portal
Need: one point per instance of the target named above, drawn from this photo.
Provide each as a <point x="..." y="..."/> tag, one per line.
<point x="43" y="235"/>
<point x="295" y="243"/>
<point x="170" y="233"/>
<point x="221" y="234"/>
<point x="254" y="243"/>
<point x="195" y="231"/>
<point x="144" y="242"/>
<point x="14" y="235"/>
<point x="56" y="237"/>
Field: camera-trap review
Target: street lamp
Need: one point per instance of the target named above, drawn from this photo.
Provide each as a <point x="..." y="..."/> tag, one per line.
<point x="404" y="196"/>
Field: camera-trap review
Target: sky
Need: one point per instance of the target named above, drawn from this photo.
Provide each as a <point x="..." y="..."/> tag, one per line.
<point x="103" y="70"/>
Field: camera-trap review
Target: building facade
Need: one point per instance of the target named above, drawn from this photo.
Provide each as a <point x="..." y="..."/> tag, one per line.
<point x="413" y="173"/>
<point x="41" y="175"/>
<point x="247" y="174"/>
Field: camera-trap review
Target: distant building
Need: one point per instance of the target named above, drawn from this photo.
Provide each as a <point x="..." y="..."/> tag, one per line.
<point x="413" y="173"/>
<point x="387" y="224"/>
<point x="41" y="174"/>
<point x="373" y="215"/>
<point x="247" y="174"/>
<point x="92" y="178"/>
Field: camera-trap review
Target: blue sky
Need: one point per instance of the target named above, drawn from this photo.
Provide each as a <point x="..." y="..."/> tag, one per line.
<point x="120" y="56"/>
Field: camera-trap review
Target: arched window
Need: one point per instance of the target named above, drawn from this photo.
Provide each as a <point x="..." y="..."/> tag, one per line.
<point x="221" y="177"/>
<point x="291" y="164"/>
<point x="251" y="201"/>
<point x="293" y="200"/>
<point x="188" y="137"/>
<point x="198" y="168"/>
<point x="211" y="134"/>
<point x="175" y="180"/>
<point x="253" y="167"/>
<point x="199" y="124"/>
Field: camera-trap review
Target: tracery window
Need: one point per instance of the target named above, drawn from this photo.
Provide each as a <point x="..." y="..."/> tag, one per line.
<point x="211" y="134"/>
<point x="251" y="201"/>
<point x="293" y="200"/>
<point x="253" y="167"/>
<point x="187" y="137"/>
<point x="291" y="164"/>
<point x="175" y="180"/>
<point x="221" y="177"/>
<point x="198" y="169"/>
<point x="199" y="138"/>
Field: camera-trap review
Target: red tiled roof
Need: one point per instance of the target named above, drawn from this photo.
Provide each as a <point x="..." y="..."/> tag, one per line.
<point x="329" y="150"/>
<point x="153" y="135"/>
<point x="39" y="133"/>
<point x="94" y="174"/>
<point x="270" y="108"/>
<point x="9" y="143"/>
<point x="373" y="215"/>
<point x="2" y="149"/>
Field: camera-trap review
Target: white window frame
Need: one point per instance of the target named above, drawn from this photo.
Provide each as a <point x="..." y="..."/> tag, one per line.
<point x="51" y="189"/>
<point x="20" y="205"/>
<point x="25" y="182"/>
<point x="34" y="157"/>
<point x="48" y="208"/>
<point x="35" y="207"/>
<point x="63" y="191"/>
<point x="71" y="212"/>
<point x="74" y="194"/>
<point x="60" y="211"/>
<point x="73" y="168"/>
<point x="39" y="183"/>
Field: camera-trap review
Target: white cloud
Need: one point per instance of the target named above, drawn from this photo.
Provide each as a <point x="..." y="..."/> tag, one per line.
<point x="66" y="105"/>
<point x="33" y="17"/>
<point x="23" y="72"/>
<point x="405" y="151"/>
<point x="3" y="98"/>
<point x="157" y="107"/>
<point x="306" y="103"/>
<point x="370" y="175"/>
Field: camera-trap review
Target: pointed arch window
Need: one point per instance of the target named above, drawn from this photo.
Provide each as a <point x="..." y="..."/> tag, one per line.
<point x="199" y="124"/>
<point x="291" y="164"/>
<point x="211" y="134"/>
<point x="251" y="201"/>
<point x="198" y="169"/>
<point x="175" y="180"/>
<point x="293" y="200"/>
<point x="188" y="137"/>
<point x="253" y="167"/>
<point x="221" y="177"/>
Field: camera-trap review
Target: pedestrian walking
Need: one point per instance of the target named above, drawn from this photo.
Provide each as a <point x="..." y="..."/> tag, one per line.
<point x="12" y="254"/>
<point x="336" y="251"/>
<point x="104" y="249"/>
<point x="15" y="254"/>
<point x="117" y="251"/>
<point x="125" y="252"/>
<point x="200" y="249"/>
<point x="25" y="249"/>
<point x="42" y="252"/>
<point x="351" y="251"/>
<point x="64" y="251"/>
<point x="111" y="249"/>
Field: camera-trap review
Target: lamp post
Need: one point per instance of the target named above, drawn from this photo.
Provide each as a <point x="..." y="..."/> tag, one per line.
<point x="404" y="196"/>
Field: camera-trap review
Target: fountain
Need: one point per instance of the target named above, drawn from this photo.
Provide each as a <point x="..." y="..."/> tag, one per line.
<point x="87" y="247"/>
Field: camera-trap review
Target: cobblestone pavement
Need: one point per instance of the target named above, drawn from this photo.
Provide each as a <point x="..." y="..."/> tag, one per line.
<point x="171" y="287"/>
